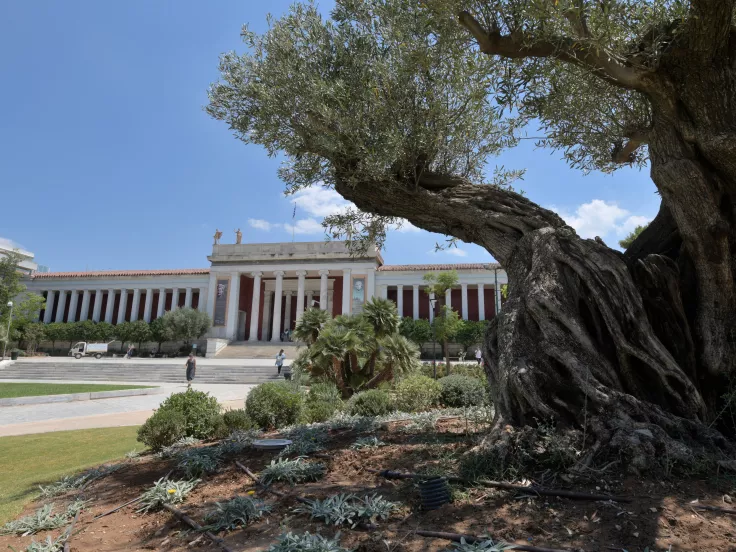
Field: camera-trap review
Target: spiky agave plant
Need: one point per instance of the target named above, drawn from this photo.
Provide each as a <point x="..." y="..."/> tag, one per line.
<point x="43" y="519"/>
<point x="292" y="471"/>
<point x="307" y="543"/>
<point x="166" y="492"/>
<point x="235" y="513"/>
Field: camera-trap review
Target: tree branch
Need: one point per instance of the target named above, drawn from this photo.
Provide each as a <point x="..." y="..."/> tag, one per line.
<point x="491" y="217"/>
<point x="624" y="153"/>
<point x="518" y="45"/>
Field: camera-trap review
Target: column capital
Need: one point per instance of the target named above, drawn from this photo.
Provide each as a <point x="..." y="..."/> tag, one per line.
<point x="301" y="272"/>
<point x="256" y="274"/>
<point x="279" y="273"/>
<point x="324" y="272"/>
<point x="347" y="270"/>
<point x="288" y="293"/>
<point x="189" y="288"/>
<point x="480" y="286"/>
<point x="400" y="286"/>
<point x="464" y="286"/>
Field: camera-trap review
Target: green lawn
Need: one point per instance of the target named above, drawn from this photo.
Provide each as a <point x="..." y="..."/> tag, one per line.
<point x="29" y="460"/>
<point x="12" y="390"/>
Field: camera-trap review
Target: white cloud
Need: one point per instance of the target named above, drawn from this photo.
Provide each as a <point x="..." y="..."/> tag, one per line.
<point x="10" y="245"/>
<point x="261" y="224"/>
<point x="319" y="202"/>
<point x="406" y="227"/>
<point x="599" y="218"/>
<point x="305" y="226"/>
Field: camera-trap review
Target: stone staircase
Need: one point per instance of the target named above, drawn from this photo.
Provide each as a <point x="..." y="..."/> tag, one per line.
<point x="258" y="349"/>
<point x="137" y="371"/>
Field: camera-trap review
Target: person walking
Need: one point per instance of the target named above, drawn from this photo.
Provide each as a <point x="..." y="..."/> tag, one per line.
<point x="478" y="355"/>
<point x="280" y="360"/>
<point x="191" y="369"/>
<point x="129" y="354"/>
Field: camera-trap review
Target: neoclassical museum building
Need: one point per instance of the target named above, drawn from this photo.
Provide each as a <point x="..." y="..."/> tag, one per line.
<point x="253" y="292"/>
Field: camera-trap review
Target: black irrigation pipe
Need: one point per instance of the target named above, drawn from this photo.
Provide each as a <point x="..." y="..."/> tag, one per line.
<point x="132" y="501"/>
<point x="458" y="537"/>
<point x="197" y="527"/>
<point x="68" y="532"/>
<point x="713" y="509"/>
<point x="388" y="474"/>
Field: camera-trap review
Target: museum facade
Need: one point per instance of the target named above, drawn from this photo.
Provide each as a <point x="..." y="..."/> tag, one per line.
<point x="254" y="292"/>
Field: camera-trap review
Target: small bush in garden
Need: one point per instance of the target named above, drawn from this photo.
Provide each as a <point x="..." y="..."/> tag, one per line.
<point x="417" y="393"/>
<point x="274" y="405"/>
<point x="304" y="440"/>
<point x="292" y="471"/>
<point x="200" y="410"/>
<point x="166" y="492"/>
<point x="235" y="513"/>
<point x="237" y="419"/>
<point x="193" y="463"/>
<point x="462" y="391"/>
<point x="176" y="448"/>
<point x="306" y="543"/>
<point x="367" y="442"/>
<point x="162" y="429"/>
<point x="42" y="519"/>
<point x="322" y="401"/>
<point x="370" y="403"/>
<point x="470" y="369"/>
<point x="348" y="509"/>
<point x="72" y="482"/>
<point x="48" y="545"/>
<point x="238" y="441"/>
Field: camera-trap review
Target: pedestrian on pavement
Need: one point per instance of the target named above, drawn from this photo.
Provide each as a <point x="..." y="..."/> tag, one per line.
<point x="129" y="354"/>
<point x="280" y="360"/>
<point x="478" y="355"/>
<point x="191" y="369"/>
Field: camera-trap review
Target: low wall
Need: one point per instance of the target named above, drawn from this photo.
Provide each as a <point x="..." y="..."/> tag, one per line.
<point x="170" y="348"/>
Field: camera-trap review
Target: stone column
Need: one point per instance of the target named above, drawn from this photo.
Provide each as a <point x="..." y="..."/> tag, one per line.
<point x="371" y="285"/>
<point x="202" y="303"/>
<point x="465" y="300"/>
<point x="310" y="299"/>
<point x="448" y="298"/>
<point x="61" y="302"/>
<point x="136" y="305"/>
<point x="346" y="298"/>
<point x="85" y="306"/>
<point x="266" y="316"/>
<point x="110" y="305"/>
<point x="384" y="292"/>
<point x="323" y="289"/>
<point x="300" y="294"/>
<point x="400" y="300"/>
<point x="188" y="298"/>
<point x="481" y="303"/>
<point x="498" y="300"/>
<point x="416" y="301"/>
<point x="97" y="306"/>
<point x="233" y="300"/>
<point x="122" y="307"/>
<point x="276" y="327"/>
<point x="330" y="299"/>
<point x="148" y="305"/>
<point x="431" y="310"/>
<point x="73" y="307"/>
<point x="211" y="291"/>
<point x="255" y="306"/>
<point x="50" y="296"/>
<point x="287" y="311"/>
<point x="161" y="308"/>
<point x="175" y="298"/>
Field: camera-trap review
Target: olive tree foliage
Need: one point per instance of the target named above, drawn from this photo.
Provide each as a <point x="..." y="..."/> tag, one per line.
<point x="187" y="324"/>
<point x="367" y="95"/>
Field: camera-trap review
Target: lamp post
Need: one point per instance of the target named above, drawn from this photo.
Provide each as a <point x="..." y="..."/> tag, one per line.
<point x="7" y="337"/>
<point x="433" y="303"/>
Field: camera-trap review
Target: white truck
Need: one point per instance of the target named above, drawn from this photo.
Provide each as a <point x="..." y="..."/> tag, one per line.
<point x="98" y="350"/>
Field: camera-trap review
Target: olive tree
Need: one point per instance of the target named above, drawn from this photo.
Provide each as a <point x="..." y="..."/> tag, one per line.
<point x="398" y="106"/>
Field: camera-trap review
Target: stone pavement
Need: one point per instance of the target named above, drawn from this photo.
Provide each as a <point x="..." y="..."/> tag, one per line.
<point x="19" y="420"/>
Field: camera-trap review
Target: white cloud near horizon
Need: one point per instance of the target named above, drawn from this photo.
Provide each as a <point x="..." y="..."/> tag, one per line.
<point x="600" y="218"/>
<point x="260" y="224"/>
<point x="305" y="226"/>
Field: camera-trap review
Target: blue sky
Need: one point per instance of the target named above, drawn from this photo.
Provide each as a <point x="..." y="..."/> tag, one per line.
<point x="108" y="161"/>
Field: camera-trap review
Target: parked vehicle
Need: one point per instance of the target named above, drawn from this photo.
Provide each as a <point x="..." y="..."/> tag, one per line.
<point x="98" y="350"/>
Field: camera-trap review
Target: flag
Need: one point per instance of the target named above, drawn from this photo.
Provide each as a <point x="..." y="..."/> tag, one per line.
<point x="293" y="215"/>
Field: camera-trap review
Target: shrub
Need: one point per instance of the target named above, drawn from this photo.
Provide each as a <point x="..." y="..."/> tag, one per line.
<point x="291" y="471"/>
<point x="200" y="410"/>
<point x="235" y="513"/>
<point x="322" y="401"/>
<point x="306" y="543"/>
<point x="42" y="520"/>
<point x="237" y="419"/>
<point x="166" y="492"/>
<point x="162" y="429"/>
<point x="470" y="369"/>
<point x="417" y="393"/>
<point x="370" y="403"/>
<point x="461" y="391"/>
<point x="349" y="509"/>
<point x="194" y="463"/>
<point x="274" y="405"/>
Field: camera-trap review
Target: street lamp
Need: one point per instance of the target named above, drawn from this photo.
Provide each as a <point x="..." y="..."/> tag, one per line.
<point x="433" y="304"/>
<point x="7" y="337"/>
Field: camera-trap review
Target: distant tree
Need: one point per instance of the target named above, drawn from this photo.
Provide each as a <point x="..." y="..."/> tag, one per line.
<point x="125" y="333"/>
<point x="417" y="331"/>
<point x="445" y="328"/>
<point x="161" y="332"/>
<point x="86" y="331"/>
<point x="628" y="240"/>
<point x="56" y="331"/>
<point x="470" y="332"/>
<point x="32" y="335"/>
<point x="104" y="332"/>
<point x="188" y="324"/>
<point x="25" y="305"/>
<point x="437" y="285"/>
<point x="140" y="332"/>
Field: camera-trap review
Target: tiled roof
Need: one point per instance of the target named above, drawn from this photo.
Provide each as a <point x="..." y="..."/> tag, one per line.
<point x="119" y="273"/>
<point x="430" y="267"/>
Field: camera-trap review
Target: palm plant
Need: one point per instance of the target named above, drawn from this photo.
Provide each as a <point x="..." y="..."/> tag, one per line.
<point x="333" y="349"/>
<point x="384" y="317"/>
<point x="310" y="324"/>
<point x="398" y="356"/>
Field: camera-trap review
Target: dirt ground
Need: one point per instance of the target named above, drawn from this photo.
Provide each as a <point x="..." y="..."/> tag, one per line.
<point x="660" y="516"/>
